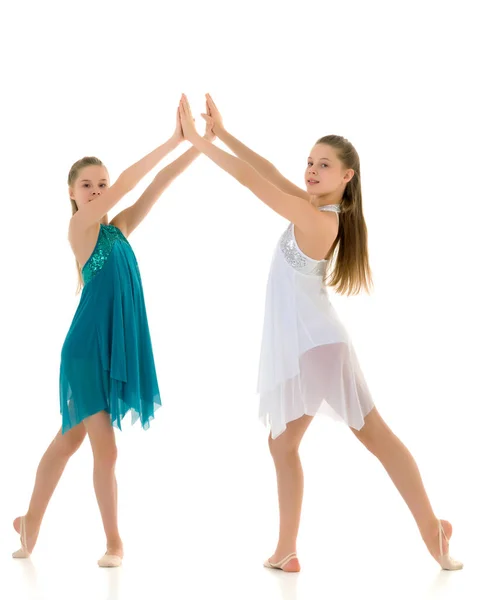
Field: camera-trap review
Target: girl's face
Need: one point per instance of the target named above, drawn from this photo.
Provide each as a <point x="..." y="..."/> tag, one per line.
<point x="325" y="173"/>
<point x="90" y="183"/>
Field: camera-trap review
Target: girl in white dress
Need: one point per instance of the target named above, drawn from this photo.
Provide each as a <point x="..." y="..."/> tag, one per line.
<point x="308" y="363"/>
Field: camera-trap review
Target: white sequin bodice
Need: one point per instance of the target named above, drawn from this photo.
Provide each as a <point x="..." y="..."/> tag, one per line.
<point x="296" y="258"/>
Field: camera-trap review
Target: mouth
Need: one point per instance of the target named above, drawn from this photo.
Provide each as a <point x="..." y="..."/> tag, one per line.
<point x="312" y="182"/>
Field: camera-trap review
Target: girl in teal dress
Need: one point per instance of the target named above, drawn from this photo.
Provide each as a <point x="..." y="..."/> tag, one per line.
<point x="107" y="366"/>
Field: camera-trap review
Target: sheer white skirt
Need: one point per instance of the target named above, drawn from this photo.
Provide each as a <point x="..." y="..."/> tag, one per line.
<point x="308" y="364"/>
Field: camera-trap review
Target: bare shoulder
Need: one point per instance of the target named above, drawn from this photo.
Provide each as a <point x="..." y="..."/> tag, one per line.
<point x="82" y="239"/>
<point x="316" y="240"/>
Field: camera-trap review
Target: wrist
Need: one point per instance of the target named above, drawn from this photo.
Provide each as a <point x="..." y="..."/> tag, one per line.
<point x="220" y="131"/>
<point x="195" y="137"/>
<point x="174" y="141"/>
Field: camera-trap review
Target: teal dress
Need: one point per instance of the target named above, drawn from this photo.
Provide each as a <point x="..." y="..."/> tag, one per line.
<point x="107" y="359"/>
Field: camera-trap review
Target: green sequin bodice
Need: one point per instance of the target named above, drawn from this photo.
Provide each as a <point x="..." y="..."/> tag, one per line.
<point x="107" y="237"/>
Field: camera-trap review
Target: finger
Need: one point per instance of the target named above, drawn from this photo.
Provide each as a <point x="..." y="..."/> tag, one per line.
<point x="212" y="102"/>
<point x="214" y="109"/>
<point x="184" y="107"/>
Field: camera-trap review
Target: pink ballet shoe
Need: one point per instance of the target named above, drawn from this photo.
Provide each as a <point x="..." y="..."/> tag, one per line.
<point x="23" y="552"/>
<point x="279" y="565"/>
<point x="447" y="563"/>
<point x="110" y="561"/>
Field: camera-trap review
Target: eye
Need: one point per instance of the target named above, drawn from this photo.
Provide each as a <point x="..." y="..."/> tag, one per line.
<point x="324" y="165"/>
<point x="103" y="185"/>
<point x="310" y="163"/>
<point x="86" y="185"/>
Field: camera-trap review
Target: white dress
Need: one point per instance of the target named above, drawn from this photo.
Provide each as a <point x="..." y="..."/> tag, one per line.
<point x="307" y="362"/>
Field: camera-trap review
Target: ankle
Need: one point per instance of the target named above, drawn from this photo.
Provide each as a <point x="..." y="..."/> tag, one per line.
<point x="284" y="550"/>
<point x="429" y="528"/>
<point x="33" y="519"/>
<point x="114" y="543"/>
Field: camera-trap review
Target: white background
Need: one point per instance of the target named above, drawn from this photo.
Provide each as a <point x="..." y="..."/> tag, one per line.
<point x="197" y="491"/>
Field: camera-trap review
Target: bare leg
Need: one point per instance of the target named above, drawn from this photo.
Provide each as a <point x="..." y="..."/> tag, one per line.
<point x="102" y="438"/>
<point x="289" y="474"/>
<point x="403" y="470"/>
<point x="49" y="471"/>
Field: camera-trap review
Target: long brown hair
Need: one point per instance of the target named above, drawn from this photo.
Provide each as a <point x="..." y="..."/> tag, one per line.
<point x="72" y="177"/>
<point x="350" y="272"/>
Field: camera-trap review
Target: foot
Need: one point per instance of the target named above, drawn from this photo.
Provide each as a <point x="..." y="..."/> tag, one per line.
<point x="32" y="531"/>
<point x="113" y="556"/>
<point x="292" y="566"/>
<point x="433" y="543"/>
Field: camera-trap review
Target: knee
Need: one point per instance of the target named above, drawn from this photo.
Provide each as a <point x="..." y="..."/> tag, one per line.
<point x="105" y="455"/>
<point x="67" y="445"/>
<point x="374" y="438"/>
<point x="282" y="450"/>
<point x="75" y="444"/>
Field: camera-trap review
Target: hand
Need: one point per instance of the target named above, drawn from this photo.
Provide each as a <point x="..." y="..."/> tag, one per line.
<point x="178" y="136"/>
<point x="210" y="135"/>
<point x="187" y="121"/>
<point x="212" y="117"/>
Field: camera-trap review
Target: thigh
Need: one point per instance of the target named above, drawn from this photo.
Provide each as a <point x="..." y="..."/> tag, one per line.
<point x="374" y="429"/>
<point x="100" y="432"/>
<point x="290" y="439"/>
<point x="70" y="441"/>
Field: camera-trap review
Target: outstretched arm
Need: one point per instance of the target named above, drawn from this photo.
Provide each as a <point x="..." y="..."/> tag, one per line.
<point x="262" y="165"/>
<point x="131" y="217"/>
<point x="93" y="212"/>
<point x="293" y="208"/>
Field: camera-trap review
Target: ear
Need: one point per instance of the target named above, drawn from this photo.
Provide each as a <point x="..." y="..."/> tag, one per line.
<point x="348" y="175"/>
<point x="72" y="195"/>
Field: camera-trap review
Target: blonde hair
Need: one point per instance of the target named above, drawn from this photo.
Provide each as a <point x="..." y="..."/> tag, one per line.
<point x="351" y="272"/>
<point x="72" y="177"/>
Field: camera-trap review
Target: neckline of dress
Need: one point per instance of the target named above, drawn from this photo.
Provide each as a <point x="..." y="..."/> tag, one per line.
<point x="330" y="207"/>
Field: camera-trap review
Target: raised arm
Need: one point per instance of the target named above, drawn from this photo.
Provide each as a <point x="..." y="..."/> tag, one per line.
<point x="93" y="212"/>
<point x="293" y="208"/>
<point x="262" y="165"/>
<point x="131" y="217"/>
